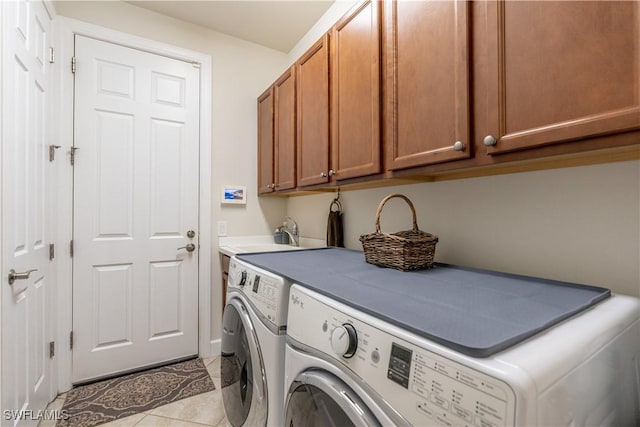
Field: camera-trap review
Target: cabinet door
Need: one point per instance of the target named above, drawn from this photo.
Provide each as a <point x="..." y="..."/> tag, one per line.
<point x="312" y="73"/>
<point x="426" y="75"/>
<point x="355" y="82"/>
<point x="285" y="130"/>
<point x="265" y="142"/>
<point x="561" y="71"/>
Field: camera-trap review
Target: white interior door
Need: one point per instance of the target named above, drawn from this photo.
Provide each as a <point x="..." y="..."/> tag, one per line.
<point x="135" y="285"/>
<point x="26" y="307"/>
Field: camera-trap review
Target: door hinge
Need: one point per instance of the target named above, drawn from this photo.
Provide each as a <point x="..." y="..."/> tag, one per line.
<point x="71" y="340"/>
<point x="52" y="55"/>
<point x="73" y="64"/>
<point x="71" y="249"/>
<point x="52" y="152"/>
<point x="52" y="251"/>
<point x="73" y="155"/>
<point x="52" y="349"/>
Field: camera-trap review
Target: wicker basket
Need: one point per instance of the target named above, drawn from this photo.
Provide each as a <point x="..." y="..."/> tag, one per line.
<point x="405" y="250"/>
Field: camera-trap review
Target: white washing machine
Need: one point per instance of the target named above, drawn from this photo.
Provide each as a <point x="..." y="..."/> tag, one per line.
<point x="345" y="367"/>
<point x="253" y="343"/>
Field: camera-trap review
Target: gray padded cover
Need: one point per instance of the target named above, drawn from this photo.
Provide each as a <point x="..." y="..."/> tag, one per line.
<point x="475" y="312"/>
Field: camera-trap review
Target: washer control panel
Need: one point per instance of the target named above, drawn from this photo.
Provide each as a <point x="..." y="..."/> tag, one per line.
<point x="266" y="291"/>
<point x="424" y="387"/>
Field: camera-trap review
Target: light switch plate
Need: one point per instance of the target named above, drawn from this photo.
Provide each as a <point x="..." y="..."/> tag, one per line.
<point x="222" y="228"/>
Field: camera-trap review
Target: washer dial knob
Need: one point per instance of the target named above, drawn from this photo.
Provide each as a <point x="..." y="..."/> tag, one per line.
<point x="344" y="340"/>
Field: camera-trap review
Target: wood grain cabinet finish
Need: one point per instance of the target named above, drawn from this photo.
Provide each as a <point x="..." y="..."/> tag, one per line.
<point x="224" y="262"/>
<point x="312" y="74"/>
<point x="426" y="74"/>
<point x="266" y="181"/>
<point x="560" y="71"/>
<point x="355" y="88"/>
<point x="285" y="130"/>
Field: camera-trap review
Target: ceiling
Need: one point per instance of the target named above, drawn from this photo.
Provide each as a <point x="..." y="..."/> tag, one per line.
<point x="275" y="24"/>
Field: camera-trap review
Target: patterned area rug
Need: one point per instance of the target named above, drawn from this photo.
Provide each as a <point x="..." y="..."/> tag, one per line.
<point x="120" y="397"/>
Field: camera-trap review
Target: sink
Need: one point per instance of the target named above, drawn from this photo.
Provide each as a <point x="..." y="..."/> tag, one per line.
<point x="236" y="245"/>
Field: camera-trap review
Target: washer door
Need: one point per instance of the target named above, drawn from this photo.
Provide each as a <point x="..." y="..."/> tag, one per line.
<point x="242" y="373"/>
<point x="317" y="398"/>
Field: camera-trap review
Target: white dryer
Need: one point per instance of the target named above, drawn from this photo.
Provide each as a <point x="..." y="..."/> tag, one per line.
<point x="253" y="342"/>
<point x="346" y="367"/>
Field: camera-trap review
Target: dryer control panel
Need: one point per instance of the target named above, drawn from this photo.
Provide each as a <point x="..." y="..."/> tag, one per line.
<point x="423" y="386"/>
<point x="265" y="291"/>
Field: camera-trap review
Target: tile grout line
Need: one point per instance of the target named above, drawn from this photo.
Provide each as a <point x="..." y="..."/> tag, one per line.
<point x="178" y="419"/>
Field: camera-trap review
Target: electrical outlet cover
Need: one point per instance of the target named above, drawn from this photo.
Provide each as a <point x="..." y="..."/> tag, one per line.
<point x="222" y="228"/>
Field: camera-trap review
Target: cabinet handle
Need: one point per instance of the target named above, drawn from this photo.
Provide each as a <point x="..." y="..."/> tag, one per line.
<point x="323" y="175"/>
<point x="269" y="185"/>
<point x="459" y="146"/>
<point x="332" y="172"/>
<point x="489" y="141"/>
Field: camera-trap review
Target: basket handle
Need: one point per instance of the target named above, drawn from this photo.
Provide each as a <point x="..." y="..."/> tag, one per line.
<point x="385" y="200"/>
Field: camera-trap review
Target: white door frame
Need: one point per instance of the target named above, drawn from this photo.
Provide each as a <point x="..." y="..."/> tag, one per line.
<point x="65" y="30"/>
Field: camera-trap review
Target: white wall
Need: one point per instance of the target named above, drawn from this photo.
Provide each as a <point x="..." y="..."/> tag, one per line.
<point x="326" y="21"/>
<point x="578" y="224"/>
<point x="241" y="71"/>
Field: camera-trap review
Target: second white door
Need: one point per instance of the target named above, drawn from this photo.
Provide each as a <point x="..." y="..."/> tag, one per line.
<point x="135" y="261"/>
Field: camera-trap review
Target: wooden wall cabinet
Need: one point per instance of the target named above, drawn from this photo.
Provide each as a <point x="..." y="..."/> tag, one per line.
<point x="284" y="131"/>
<point x="427" y="78"/>
<point x="266" y="178"/>
<point x="559" y="71"/>
<point x="224" y="263"/>
<point x="462" y="86"/>
<point x="355" y="88"/>
<point x="277" y="135"/>
<point x="312" y="73"/>
<point x="339" y="101"/>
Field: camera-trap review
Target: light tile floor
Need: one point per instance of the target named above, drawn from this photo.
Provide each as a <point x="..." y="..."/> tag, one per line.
<point x="204" y="409"/>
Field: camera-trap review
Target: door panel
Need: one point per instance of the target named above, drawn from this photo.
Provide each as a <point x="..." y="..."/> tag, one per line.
<point x="285" y="130"/>
<point x="312" y="72"/>
<point x="355" y="88"/>
<point x="167" y="280"/>
<point x="266" y="179"/>
<point x="112" y="307"/>
<point x="166" y="176"/>
<point x="26" y="308"/>
<point x="135" y="286"/>
<point x="561" y="71"/>
<point x="114" y="143"/>
<point x="427" y="79"/>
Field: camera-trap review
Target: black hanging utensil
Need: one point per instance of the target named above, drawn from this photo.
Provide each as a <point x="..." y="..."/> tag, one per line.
<point x="335" y="233"/>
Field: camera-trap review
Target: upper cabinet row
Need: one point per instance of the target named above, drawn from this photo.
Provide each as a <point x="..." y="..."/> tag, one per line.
<point x="328" y="122"/>
<point x="417" y="87"/>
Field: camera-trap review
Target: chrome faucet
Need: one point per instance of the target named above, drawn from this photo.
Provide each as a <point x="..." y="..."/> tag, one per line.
<point x="292" y="230"/>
